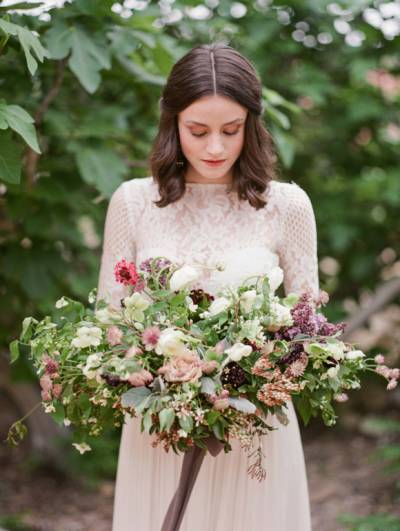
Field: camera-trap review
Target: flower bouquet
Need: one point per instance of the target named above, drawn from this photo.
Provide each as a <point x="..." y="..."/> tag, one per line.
<point x="190" y="364"/>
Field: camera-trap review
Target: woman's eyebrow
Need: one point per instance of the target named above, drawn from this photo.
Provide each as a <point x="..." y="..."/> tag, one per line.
<point x="205" y="125"/>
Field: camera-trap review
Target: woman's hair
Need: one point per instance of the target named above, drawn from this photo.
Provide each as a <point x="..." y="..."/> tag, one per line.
<point x="213" y="69"/>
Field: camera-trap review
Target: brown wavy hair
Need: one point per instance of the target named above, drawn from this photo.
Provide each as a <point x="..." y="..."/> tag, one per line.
<point x="213" y="69"/>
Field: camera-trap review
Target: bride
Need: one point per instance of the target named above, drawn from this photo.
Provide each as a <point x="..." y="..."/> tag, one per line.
<point x="213" y="200"/>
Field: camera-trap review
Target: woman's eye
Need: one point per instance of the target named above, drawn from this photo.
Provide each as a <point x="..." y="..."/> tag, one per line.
<point x="226" y="132"/>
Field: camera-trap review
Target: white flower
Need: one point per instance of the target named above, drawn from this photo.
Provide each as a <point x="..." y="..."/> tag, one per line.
<point x="49" y="408"/>
<point x="170" y="342"/>
<point x="190" y="304"/>
<point x="275" y="277"/>
<point x="67" y="422"/>
<point x="92" y="362"/>
<point x="183" y="277"/>
<point x="82" y="447"/>
<point x="247" y="300"/>
<point x="61" y="303"/>
<point x="354" y="354"/>
<point x="106" y="315"/>
<point x="336" y="350"/>
<point x="218" y="305"/>
<point x="182" y="433"/>
<point x="87" y="336"/>
<point x="135" y="305"/>
<point x="332" y="372"/>
<point x="238" y="351"/>
<point x="278" y="316"/>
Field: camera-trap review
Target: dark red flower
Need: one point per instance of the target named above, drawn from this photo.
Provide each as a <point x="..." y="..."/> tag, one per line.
<point x="125" y="273"/>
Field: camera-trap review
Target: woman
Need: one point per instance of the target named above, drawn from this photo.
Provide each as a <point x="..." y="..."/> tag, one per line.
<point x="213" y="202"/>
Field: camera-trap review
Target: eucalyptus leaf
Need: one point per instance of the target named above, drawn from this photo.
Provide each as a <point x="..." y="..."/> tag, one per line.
<point x="135" y="396"/>
<point x="208" y="385"/>
<point x="166" y="417"/>
<point x="242" y="404"/>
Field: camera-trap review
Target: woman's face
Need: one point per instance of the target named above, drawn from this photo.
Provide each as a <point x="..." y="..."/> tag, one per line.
<point x="211" y="129"/>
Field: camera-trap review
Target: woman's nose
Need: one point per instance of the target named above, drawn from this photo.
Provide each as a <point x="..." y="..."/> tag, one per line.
<point x="215" y="146"/>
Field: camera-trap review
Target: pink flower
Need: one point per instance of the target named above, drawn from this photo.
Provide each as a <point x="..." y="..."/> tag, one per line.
<point x="208" y="367"/>
<point x="57" y="390"/>
<point x="395" y="373"/>
<point x="379" y="359"/>
<point x="221" y="403"/>
<point x="342" y="397"/>
<point x="383" y="371"/>
<point x="50" y="365"/>
<point x="45" y="383"/>
<point x="150" y="336"/>
<point x="182" y="368"/>
<point x="125" y="273"/>
<point x="391" y="385"/>
<point x="114" y="335"/>
<point x="138" y="379"/>
<point x="46" y="396"/>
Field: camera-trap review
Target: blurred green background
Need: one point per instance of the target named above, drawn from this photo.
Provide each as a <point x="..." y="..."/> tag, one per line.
<point x="79" y="88"/>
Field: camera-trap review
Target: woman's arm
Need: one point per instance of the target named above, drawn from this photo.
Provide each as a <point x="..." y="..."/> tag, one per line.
<point x="298" y="245"/>
<point x="118" y="243"/>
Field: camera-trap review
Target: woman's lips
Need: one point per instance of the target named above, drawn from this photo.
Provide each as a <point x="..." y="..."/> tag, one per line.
<point x="213" y="163"/>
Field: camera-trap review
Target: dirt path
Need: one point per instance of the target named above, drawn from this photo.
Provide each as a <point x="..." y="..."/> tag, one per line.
<point x="341" y="479"/>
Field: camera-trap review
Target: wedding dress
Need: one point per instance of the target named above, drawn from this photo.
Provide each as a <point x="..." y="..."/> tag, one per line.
<point x="210" y="226"/>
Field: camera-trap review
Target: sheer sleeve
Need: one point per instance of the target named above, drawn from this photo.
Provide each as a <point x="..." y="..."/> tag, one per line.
<point x="298" y="245"/>
<point x="118" y="243"/>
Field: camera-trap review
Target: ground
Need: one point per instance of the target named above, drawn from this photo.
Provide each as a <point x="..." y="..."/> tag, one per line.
<point x="342" y="479"/>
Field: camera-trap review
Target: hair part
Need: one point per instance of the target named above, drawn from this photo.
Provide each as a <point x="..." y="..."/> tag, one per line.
<point x="213" y="69"/>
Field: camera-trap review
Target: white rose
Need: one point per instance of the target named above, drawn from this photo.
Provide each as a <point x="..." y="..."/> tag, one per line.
<point x="183" y="277"/>
<point x="87" y="336"/>
<point x="171" y="343"/>
<point x="247" y="300"/>
<point x="135" y="305"/>
<point x="218" y="305"/>
<point x="333" y="371"/>
<point x="238" y="351"/>
<point x="355" y="354"/>
<point x="275" y="277"/>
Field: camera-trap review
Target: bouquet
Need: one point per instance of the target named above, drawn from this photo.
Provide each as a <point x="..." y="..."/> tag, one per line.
<point x="190" y="364"/>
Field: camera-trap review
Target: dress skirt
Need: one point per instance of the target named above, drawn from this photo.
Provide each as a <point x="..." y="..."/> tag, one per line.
<point x="224" y="497"/>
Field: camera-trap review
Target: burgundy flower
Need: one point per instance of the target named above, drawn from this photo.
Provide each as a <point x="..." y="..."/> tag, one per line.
<point x="125" y="273"/>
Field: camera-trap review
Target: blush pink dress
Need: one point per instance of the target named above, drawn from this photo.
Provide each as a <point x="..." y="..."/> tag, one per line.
<point x="208" y="226"/>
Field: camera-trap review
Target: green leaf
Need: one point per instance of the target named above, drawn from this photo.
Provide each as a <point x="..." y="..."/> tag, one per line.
<point x="218" y="430"/>
<point x="58" y="40"/>
<point x="147" y="421"/>
<point x="101" y="168"/>
<point x="186" y="423"/>
<point x="20" y="5"/>
<point x="135" y="396"/>
<point x="29" y="43"/>
<point x="14" y="350"/>
<point x="10" y="159"/>
<point x="26" y="333"/>
<point x="166" y="417"/>
<point x="21" y="122"/>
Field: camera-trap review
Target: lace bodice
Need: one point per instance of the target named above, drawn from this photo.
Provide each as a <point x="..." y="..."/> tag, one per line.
<point x="211" y="226"/>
